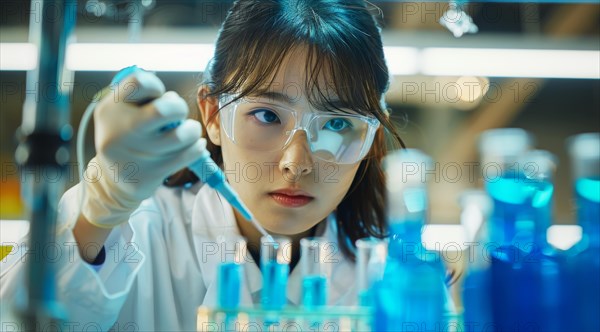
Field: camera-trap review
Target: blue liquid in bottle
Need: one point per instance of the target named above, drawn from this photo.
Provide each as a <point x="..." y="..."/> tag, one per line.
<point x="525" y="274"/>
<point x="275" y="277"/>
<point x="509" y="197"/>
<point x="405" y="239"/>
<point x="588" y="208"/>
<point x="584" y="267"/>
<point x="314" y="291"/>
<point x="509" y="203"/>
<point x="411" y="297"/>
<point x="541" y="205"/>
<point x="476" y="301"/>
<point x="412" y="293"/>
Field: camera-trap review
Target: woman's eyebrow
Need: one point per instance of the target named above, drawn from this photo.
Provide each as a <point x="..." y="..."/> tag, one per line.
<point x="336" y="106"/>
<point x="275" y="96"/>
<point x="335" y="103"/>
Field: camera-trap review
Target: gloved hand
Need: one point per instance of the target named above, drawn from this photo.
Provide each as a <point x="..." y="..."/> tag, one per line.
<point x="133" y="155"/>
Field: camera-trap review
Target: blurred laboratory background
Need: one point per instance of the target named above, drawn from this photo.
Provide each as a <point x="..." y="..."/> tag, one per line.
<point x="457" y="69"/>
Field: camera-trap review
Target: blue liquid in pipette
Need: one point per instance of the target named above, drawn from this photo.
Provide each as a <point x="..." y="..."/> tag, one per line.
<point x="275" y="277"/>
<point x="314" y="291"/>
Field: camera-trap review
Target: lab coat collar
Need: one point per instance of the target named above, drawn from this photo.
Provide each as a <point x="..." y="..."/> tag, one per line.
<point x="209" y="224"/>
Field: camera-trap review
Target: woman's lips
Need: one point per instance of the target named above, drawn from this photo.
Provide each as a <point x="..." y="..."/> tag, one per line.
<point x="289" y="198"/>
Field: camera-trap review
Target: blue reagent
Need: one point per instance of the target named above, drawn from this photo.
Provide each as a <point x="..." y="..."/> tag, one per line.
<point x="229" y="285"/>
<point x="476" y="301"/>
<point x="588" y="207"/>
<point x="411" y="295"/>
<point x="584" y="259"/>
<point x="510" y="205"/>
<point x="314" y="291"/>
<point x="275" y="278"/>
<point x="525" y="273"/>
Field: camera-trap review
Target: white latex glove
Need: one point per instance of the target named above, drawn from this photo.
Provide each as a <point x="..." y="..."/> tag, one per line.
<point x="133" y="156"/>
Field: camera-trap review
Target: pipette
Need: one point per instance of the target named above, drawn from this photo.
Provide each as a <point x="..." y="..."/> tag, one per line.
<point x="208" y="172"/>
<point x="204" y="168"/>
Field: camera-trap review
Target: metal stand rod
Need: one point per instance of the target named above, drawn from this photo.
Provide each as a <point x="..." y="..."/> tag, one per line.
<point x="43" y="150"/>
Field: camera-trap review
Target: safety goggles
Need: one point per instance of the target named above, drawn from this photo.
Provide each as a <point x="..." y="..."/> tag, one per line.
<point x="263" y="125"/>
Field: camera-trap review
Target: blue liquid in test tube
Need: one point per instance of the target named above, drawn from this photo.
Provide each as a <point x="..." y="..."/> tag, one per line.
<point x="314" y="290"/>
<point x="275" y="278"/>
<point x="275" y="258"/>
<point x="370" y="266"/>
<point x="229" y="285"/>
<point x="315" y="269"/>
<point x="230" y="270"/>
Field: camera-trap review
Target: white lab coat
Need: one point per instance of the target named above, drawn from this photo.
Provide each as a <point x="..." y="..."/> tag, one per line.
<point x="160" y="266"/>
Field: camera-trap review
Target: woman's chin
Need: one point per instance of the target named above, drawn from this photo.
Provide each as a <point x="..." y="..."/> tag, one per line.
<point x="287" y="230"/>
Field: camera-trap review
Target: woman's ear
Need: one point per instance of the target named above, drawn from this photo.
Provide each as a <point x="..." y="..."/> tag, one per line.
<point x="209" y="107"/>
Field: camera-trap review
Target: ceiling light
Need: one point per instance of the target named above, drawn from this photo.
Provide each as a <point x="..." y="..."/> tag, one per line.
<point x="480" y="62"/>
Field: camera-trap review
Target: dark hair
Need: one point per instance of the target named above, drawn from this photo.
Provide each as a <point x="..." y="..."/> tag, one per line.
<point x="344" y="42"/>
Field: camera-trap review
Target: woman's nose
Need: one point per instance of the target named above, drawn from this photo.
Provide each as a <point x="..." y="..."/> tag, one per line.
<point x="296" y="160"/>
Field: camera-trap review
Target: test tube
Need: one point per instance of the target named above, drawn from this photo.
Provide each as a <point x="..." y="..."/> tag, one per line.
<point x="232" y="249"/>
<point x="315" y="263"/>
<point x="275" y="257"/>
<point x="370" y="265"/>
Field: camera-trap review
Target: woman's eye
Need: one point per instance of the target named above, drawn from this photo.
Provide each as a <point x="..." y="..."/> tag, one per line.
<point x="337" y="124"/>
<point x="265" y="116"/>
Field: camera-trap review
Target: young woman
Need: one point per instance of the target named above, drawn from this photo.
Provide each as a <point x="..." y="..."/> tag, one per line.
<point x="292" y="107"/>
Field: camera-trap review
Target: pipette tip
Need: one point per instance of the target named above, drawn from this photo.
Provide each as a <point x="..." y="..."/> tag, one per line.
<point x="261" y="229"/>
<point x="248" y="216"/>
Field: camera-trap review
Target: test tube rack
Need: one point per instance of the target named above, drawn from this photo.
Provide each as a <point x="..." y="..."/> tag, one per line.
<point x="338" y="318"/>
